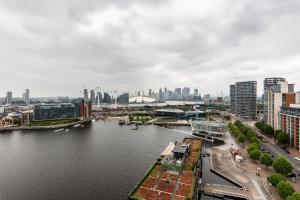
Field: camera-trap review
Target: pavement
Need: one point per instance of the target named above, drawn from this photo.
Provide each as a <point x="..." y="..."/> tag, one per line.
<point x="244" y="173"/>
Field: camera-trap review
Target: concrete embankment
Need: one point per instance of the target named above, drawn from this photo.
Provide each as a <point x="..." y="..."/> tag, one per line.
<point x="85" y="121"/>
<point x="170" y="123"/>
<point x="220" y="172"/>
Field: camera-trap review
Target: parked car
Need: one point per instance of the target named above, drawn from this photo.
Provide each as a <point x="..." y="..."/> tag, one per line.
<point x="297" y="158"/>
<point x="286" y="151"/>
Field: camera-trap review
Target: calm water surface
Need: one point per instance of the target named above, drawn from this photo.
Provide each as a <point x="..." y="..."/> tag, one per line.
<point x="101" y="161"/>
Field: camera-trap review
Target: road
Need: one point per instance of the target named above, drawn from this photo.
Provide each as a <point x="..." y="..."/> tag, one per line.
<point x="275" y="149"/>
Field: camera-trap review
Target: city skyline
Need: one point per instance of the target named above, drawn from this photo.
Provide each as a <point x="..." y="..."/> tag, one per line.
<point x="54" y="49"/>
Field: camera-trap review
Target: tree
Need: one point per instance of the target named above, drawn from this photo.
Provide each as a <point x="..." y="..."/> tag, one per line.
<point x="252" y="146"/>
<point x="294" y="196"/>
<point x="282" y="137"/>
<point x="255" y="154"/>
<point x="275" y="178"/>
<point x="266" y="159"/>
<point x="264" y="128"/>
<point x="285" y="189"/>
<point x="282" y="165"/>
<point x="254" y="139"/>
<point x="251" y="133"/>
<point x="241" y="138"/>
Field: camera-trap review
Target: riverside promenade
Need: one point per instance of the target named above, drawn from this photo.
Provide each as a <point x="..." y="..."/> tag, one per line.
<point x="223" y="164"/>
<point x="59" y="126"/>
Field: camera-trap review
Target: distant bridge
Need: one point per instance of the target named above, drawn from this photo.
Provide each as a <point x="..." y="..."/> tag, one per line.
<point x="224" y="190"/>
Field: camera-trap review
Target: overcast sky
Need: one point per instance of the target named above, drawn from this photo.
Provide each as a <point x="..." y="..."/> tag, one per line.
<point x="58" y="47"/>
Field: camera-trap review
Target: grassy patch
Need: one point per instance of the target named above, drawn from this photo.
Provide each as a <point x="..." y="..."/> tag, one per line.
<point x="53" y="122"/>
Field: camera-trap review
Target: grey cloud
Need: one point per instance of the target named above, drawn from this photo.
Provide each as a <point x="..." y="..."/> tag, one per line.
<point x="143" y="44"/>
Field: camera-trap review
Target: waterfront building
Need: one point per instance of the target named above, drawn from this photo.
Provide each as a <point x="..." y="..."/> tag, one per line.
<point x="26" y="97"/>
<point x="280" y="94"/>
<point x="85" y="95"/>
<point x="289" y="122"/>
<point x="268" y="82"/>
<point x="78" y="108"/>
<point x="174" y="113"/>
<point x="232" y="99"/>
<point x="55" y="111"/>
<point x="8" y="99"/>
<point x="245" y="99"/>
<point x="210" y="128"/>
<point x="93" y="96"/>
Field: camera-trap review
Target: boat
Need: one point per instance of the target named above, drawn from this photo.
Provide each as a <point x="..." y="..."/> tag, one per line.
<point x="136" y="127"/>
<point x="67" y="130"/>
<point x="77" y="125"/>
<point x="121" y="122"/>
<point x="58" y="130"/>
<point x="93" y="120"/>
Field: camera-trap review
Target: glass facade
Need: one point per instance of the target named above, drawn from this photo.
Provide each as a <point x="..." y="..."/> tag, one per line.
<point x="56" y="111"/>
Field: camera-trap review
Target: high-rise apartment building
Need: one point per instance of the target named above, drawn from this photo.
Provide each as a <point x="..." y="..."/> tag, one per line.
<point x="289" y="122"/>
<point x="232" y="98"/>
<point x="178" y="92"/>
<point x="280" y="94"/>
<point x="165" y="93"/>
<point x="268" y="82"/>
<point x="186" y="93"/>
<point x="150" y="93"/>
<point x="8" y="99"/>
<point x="195" y="92"/>
<point x="93" y="97"/>
<point x="26" y="97"/>
<point x="245" y="94"/>
<point x="85" y="95"/>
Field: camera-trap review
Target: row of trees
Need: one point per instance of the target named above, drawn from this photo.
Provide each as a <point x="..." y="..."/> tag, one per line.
<point x="265" y="128"/>
<point x="285" y="189"/>
<point x="281" y="136"/>
<point x="281" y="165"/>
<point x="236" y="132"/>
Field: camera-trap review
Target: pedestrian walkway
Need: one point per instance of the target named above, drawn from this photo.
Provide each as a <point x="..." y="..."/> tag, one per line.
<point x="229" y="191"/>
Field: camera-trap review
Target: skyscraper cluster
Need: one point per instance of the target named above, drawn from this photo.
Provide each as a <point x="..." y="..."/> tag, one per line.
<point x="25" y="100"/>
